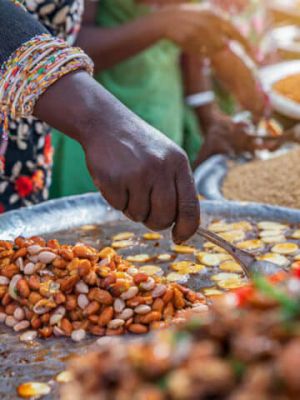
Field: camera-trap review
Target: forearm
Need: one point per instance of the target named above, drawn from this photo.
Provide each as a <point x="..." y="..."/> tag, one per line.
<point x="197" y="79"/>
<point x="77" y="105"/>
<point x="110" y="46"/>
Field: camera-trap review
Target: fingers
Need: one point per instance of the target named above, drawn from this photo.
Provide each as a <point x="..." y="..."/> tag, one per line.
<point x="163" y="205"/>
<point x="224" y="25"/>
<point x="139" y="202"/>
<point x="188" y="210"/>
<point x="231" y="32"/>
<point x="270" y="145"/>
<point x="115" y="195"/>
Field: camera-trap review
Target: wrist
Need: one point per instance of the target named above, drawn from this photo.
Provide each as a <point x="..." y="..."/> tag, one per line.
<point x="153" y="24"/>
<point x="71" y="105"/>
<point x="208" y="115"/>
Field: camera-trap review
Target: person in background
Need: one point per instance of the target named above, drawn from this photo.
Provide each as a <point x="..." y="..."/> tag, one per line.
<point x="144" y="58"/>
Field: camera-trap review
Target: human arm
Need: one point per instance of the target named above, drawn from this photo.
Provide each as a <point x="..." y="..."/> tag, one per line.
<point x="221" y="133"/>
<point x="201" y="29"/>
<point x="238" y="73"/>
<point x="138" y="170"/>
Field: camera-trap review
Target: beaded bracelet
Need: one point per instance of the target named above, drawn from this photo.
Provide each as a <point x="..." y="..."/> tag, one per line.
<point x="18" y="3"/>
<point x="30" y="71"/>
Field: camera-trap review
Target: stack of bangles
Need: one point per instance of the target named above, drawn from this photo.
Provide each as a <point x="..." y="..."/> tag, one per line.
<point x="30" y="71"/>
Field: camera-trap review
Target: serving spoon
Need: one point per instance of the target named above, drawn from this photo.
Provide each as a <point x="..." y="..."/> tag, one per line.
<point x="251" y="266"/>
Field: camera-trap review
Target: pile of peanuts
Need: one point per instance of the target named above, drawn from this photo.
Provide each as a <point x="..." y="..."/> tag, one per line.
<point x="51" y="289"/>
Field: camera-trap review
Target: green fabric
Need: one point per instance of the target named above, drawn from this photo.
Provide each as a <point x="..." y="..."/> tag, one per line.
<point x="149" y="84"/>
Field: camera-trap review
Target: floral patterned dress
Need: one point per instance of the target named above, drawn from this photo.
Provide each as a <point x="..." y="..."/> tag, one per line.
<point x="25" y="169"/>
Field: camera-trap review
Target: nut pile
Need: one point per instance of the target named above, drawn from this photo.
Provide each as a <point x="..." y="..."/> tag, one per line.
<point x="62" y="290"/>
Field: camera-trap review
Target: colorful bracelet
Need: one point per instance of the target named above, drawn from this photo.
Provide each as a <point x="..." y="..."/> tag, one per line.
<point x="18" y="3"/>
<point x="30" y="71"/>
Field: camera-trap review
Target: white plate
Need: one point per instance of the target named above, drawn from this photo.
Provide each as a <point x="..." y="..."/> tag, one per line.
<point x="269" y="75"/>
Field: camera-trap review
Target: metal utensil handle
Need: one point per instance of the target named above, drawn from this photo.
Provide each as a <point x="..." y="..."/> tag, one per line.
<point x="243" y="258"/>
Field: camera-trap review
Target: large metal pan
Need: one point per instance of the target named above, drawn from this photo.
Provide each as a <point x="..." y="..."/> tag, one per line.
<point x="42" y="361"/>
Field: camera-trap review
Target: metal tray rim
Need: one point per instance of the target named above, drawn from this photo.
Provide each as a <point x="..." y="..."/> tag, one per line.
<point x="74" y="211"/>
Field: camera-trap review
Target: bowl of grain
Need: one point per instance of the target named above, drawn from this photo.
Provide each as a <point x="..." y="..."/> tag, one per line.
<point x="273" y="181"/>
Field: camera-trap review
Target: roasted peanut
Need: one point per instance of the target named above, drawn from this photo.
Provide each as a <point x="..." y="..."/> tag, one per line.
<point x="76" y="325"/>
<point x="157" y="325"/>
<point x="6" y="253"/>
<point x="158" y="305"/>
<point x="92" y="308"/>
<point x="66" y="254"/>
<point x="66" y="326"/>
<point x="45" y="318"/>
<point x="9" y="270"/>
<point x="20" y="241"/>
<point x="6" y="299"/>
<point x="93" y="318"/>
<point x="23" y="288"/>
<point x="106" y="316"/>
<point x="59" y="298"/>
<point x="68" y="283"/>
<point x="115" y="332"/>
<point x="53" y="244"/>
<point x="34" y="297"/>
<point x="84" y="251"/>
<point x="38" y="240"/>
<point x="46" y="332"/>
<point x="109" y="280"/>
<point x="60" y="263"/>
<point x="168" y="312"/>
<point x="107" y="252"/>
<point x="102" y="296"/>
<point x="3" y="290"/>
<point x="97" y="330"/>
<point x="91" y="278"/>
<point x="10" y="308"/>
<point x="137" y="300"/>
<point x="76" y="315"/>
<point x="150" y="317"/>
<point x="167" y="297"/>
<point x="71" y="302"/>
<point x="139" y="278"/>
<point x="138" y="329"/>
<point x="28" y="313"/>
<point x="178" y="299"/>
<point x="22" y="252"/>
<point x="34" y="282"/>
<point x="128" y="322"/>
<point x="5" y="245"/>
<point x="84" y="267"/>
<point x="36" y="323"/>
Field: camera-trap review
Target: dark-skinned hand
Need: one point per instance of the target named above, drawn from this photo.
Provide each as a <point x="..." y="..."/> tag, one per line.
<point x="196" y="28"/>
<point x="225" y="136"/>
<point x="138" y="170"/>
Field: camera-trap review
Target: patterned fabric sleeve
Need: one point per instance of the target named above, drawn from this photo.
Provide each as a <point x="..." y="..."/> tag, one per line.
<point x="61" y="17"/>
<point x="25" y="166"/>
